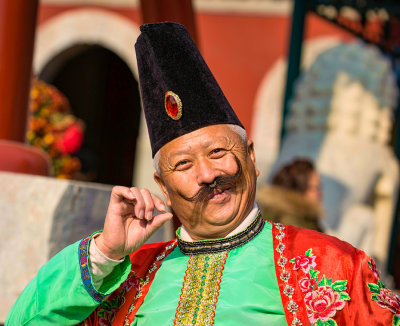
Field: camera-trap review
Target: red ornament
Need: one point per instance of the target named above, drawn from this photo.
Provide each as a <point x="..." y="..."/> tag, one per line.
<point x="71" y="139"/>
<point x="173" y="105"/>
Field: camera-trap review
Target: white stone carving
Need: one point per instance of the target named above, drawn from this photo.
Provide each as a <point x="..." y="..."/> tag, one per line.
<point x="341" y="117"/>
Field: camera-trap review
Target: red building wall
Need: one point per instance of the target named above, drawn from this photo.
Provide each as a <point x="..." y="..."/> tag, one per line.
<point x="239" y="49"/>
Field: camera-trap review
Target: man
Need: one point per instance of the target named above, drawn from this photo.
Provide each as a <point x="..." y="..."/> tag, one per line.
<point x="227" y="266"/>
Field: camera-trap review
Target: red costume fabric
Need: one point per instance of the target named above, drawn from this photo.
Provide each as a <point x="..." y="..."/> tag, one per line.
<point x="323" y="281"/>
<point x="329" y="281"/>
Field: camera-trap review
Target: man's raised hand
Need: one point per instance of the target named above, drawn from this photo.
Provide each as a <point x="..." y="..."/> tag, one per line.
<point x="130" y="221"/>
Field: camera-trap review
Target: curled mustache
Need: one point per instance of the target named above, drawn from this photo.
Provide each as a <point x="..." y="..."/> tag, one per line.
<point x="221" y="182"/>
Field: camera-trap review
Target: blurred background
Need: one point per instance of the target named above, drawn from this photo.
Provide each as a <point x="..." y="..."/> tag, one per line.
<point x="314" y="82"/>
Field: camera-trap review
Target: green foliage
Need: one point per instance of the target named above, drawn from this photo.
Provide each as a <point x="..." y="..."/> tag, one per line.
<point x="106" y="305"/>
<point x="374" y="288"/>
<point x="330" y="322"/>
<point x="313" y="273"/>
<point x="344" y="296"/>
<point x="325" y="281"/>
<point x="339" y="286"/>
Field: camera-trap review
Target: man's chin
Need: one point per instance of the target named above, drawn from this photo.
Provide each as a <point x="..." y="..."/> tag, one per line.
<point x="220" y="214"/>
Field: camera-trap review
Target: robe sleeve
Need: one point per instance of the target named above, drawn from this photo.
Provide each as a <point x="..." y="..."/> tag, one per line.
<point x="334" y="283"/>
<point x="371" y="302"/>
<point x="62" y="293"/>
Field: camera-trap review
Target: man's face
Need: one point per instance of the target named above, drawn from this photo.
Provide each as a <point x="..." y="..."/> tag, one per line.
<point x="208" y="177"/>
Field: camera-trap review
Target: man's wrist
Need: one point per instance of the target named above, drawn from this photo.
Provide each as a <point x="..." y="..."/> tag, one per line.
<point x="105" y="250"/>
<point x="100" y="266"/>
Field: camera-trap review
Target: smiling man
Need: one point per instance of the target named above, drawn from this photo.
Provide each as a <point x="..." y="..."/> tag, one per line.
<point x="227" y="266"/>
<point x="209" y="177"/>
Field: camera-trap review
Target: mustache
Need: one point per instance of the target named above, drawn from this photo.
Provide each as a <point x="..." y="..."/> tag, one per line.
<point x="221" y="182"/>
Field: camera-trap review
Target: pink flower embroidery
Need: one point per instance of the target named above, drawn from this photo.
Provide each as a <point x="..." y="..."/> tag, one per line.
<point x="133" y="281"/>
<point x="104" y="322"/>
<point x="322" y="304"/>
<point x="305" y="285"/>
<point x="372" y="266"/>
<point x="304" y="262"/>
<point x="108" y="317"/>
<point x="387" y="299"/>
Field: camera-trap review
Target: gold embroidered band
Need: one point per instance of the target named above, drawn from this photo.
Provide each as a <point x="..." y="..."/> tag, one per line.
<point x="200" y="290"/>
<point x="224" y="244"/>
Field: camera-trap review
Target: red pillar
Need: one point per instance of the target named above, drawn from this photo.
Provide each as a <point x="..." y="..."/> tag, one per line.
<point x="17" y="32"/>
<point x="179" y="11"/>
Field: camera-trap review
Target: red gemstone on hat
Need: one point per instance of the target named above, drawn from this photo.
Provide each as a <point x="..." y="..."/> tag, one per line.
<point x="172" y="106"/>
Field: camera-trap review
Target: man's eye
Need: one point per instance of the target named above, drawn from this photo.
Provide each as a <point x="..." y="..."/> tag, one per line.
<point x="181" y="164"/>
<point x="217" y="152"/>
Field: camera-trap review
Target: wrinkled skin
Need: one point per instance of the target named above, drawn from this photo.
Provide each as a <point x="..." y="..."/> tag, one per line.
<point x="197" y="160"/>
<point x="208" y="178"/>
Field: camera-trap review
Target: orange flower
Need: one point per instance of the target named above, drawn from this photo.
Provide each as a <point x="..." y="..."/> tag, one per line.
<point x="54" y="129"/>
<point x="48" y="139"/>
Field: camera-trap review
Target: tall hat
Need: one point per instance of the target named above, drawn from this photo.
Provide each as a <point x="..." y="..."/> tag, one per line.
<point x="179" y="93"/>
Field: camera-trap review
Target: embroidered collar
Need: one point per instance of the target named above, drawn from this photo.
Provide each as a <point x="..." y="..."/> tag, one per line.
<point x="223" y="244"/>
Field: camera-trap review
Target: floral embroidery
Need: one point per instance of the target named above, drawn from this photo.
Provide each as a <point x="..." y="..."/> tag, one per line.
<point x="86" y="278"/>
<point x="106" y="316"/>
<point x="292" y="307"/>
<point x="322" y="297"/>
<point x="322" y="304"/>
<point x="139" y="285"/>
<point x="108" y="309"/>
<point x="131" y="282"/>
<point x="383" y="296"/>
<point x="304" y="262"/>
<point x="372" y="266"/>
<point x="305" y="284"/>
<point x="199" y="294"/>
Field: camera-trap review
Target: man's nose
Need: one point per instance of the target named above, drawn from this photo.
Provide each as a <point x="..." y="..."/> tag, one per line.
<point x="206" y="172"/>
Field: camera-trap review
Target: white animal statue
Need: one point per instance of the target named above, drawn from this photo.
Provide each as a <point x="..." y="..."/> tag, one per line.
<point x="341" y="118"/>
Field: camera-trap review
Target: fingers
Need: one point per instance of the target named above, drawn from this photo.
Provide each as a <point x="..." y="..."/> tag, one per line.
<point x="145" y="203"/>
<point x="120" y="193"/>
<point x="159" y="220"/>
<point x="140" y="203"/>
<point x="159" y="204"/>
<point x="130" y="219"/>
<point x="149" y="204"/>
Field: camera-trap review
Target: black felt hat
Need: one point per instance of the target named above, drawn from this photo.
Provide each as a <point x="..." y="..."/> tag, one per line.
<point x="179" y="93"/>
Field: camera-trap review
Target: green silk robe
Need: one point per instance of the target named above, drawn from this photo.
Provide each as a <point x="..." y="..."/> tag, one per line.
<point x="321" y="280"/>
<point x="248" y="290"/>
<point x="58" y="295"/>
<point x="248" y="293"/>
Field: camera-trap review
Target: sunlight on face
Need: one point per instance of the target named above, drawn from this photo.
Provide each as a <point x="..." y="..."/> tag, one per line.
<point x="201" y="161"/>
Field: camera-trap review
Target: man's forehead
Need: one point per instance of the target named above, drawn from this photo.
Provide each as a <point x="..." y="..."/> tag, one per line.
<point x="203" y="137"/>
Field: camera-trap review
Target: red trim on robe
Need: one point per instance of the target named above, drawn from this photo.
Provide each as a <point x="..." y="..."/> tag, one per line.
<point x="336" y="259"/>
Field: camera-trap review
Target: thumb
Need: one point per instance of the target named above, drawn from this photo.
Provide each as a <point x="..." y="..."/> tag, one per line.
<point x="158" y="221"/>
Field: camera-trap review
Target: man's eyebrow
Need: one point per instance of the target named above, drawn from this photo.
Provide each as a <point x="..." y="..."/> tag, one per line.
<point x="222" y="140"/>
<point x="178" y="153"/>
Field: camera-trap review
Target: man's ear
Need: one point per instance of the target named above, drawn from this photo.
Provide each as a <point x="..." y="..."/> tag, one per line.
<point x="250" y="149"/>
<point x="159" y="180"/>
